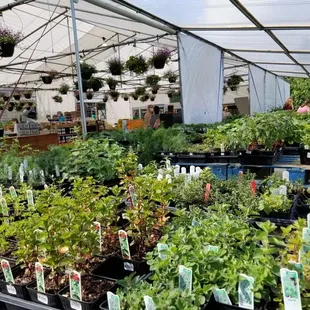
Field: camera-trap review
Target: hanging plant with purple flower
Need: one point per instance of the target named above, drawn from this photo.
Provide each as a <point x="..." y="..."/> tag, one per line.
<point x="160" y="58"/>
<point x="8" y="40"/>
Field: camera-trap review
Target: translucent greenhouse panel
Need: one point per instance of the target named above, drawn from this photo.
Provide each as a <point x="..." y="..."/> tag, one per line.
<point x="279" y="12"/>
<point x="264" y="57"/>
<point x="294" y="40"/>
<point x="201" y="73"/>
<point x="257" y="89"/>
<point x="194" y="13"/>
<point x="270" y="91"/>
<point x="302" y="58"/>
<point x="240" y="39"/>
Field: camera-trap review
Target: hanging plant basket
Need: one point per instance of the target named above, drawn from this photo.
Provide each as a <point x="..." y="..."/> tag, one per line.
<point x="111" y="83"/>
<point x="5" y="98"/>
<point x="170" y="94"/>
<point x="63" y="89"/>
<point x="114" y="94"/>
<point x="155" y="90"/>
<point x="47" y="79"/>
<point x="152" y="97"/>
<point x="172" y="79"/>
<point x="95" y="84"/>
<point x="105" y="98"/>
<point x="126" y="97"/>
<point x="16" y="97"/>
<point x="115" y="66"/>
<point x="8" y="40"/>
<point x="87" y="70"/>
<point x="144" y="98"/>
<point x="134" y="96"/>
<point x="140" y="91"/>
<point x="137" y="64"/>
<point x="7" y="49"/>
<point x="85" y="85"/>
<point x="11" y="107"/>
<point x="160" y="58"/>
<point x="19" y="108"/>
<point x="57" y="99"/>
<point x="89" y="95"/>
<point x="27" y="95"/>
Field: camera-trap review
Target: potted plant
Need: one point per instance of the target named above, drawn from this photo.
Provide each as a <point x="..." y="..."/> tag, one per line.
<point x="11" y="106"/>
<point x="95" y="83"/>
<point x="8" y="41"/>
<point x="126" y="97"/>
<point x="160" y="58"/>
<point x="234" y="81"/>
<point x="152" y="80"/>
<point x="85" y="85"/>
<point x="172" y="77"/>
<point x="19" y="107"/>
<point x="152" y="97"/>
<point x="17" y="96"/>
<point x="48" y="77"/>
<point x="115" y="66"/>
<point x="87" y="70"/>
<point x="155" y="89"/>
<point x="114" y="94"/>
<point x="134" y="96"/>
<point x="63" y="89"/>
<point x="136" y="64"/>
<point x="140" y="91"/>
<point x="27" y="94"/>
<point x="57" y="99"/>
<point x="105" y="98"/>
<point x="89" y="95"/>
<point x="112" y="83"/>
<point x="170" y="93"/>
<point x="5" y="97"/>
<point x="144" y="98"/>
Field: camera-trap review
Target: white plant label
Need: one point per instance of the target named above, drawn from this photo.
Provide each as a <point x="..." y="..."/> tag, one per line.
<point x="162" y="247"/>
<point x="283" y="190"/>
<point x="286" y="176"/>
<point x="245" y="292"/>
<point x="159" y="177"/>
<point x="75" y="305"/>
<point x="7" y="271"/>
<point x="222" y="148"/>
<point x="13" y="192"/>
<point x="129" y="266"/>
<point x="221" y="296"/>
<point x="290" y="289"/>
<point x="161" y="172"/>
<point x="123" y="240"/>
<point x="308" y="220"/>
<point x="196" y="175"/>
<point x="11" y="289"/>
<point x="188" y="178"/>
<point x="176" y="171"/>
<point x="140" y="167"/>
<point x="191" y="170"/>
<point x="183" y="170"/>
<point x="42" y="176"/>
<point x="30" y="199"/>
<point x="40" y="277"/>
<point x="98" y="230"/>
<point x="42" y="298"/>
<point x="57" y="171"/>
<point x="21" y="173"/>
<point x="10" y="175"/>
<point x="25" y="162"/>
<point x="149" y="303"/>
<point x="168" y="177"/>
<point x="308" y="155"/>
<point x="131" y="191"/>
<point x="185" y="278"/>
<point x="75" y="285"/>
<point x="212" y="248"/>
<point x="306" y="235"/>
<point x="113" y="301"/>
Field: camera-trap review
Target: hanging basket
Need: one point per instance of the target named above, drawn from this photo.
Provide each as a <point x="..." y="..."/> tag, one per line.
<point x="47" y="79"/>
<point x="27" y="95"/>
<point x="5" y="98"/>
<point x="17" y="97"/>
<point x="7" y="49"/>
<point x="11" y="107"/>
<point x="112" y="86"/>
<point x="159" y="63"/>
<point x="89" y="96"/>
<point x="172" y="79"/>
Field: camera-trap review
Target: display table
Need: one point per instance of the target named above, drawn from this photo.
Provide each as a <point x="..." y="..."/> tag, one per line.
<point x="36" y="142"/>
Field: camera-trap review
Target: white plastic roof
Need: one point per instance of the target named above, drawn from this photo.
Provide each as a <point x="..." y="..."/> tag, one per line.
<point x="274" y="34"/>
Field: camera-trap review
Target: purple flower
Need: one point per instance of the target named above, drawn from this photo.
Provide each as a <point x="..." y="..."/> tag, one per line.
<point x="10" y="36"/>
<point x="163" y="52"/>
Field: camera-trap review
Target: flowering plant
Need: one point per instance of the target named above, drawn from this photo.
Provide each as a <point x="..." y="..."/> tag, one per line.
<point x="162" y="53"/>
<point x="9" y="36"/>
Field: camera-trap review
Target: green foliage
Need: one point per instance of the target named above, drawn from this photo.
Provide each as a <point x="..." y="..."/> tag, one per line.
<point x="152" y="80"/>
<point x="137" y="64"/>
<point x="300" y="90"/>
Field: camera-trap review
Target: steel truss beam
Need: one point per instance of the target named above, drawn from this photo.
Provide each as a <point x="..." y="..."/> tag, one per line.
<point x="245" y="28"/>
<point x="251" y="17"/>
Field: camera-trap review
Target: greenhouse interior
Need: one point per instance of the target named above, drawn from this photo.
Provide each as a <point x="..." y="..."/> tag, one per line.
<point x="154" y="155"/>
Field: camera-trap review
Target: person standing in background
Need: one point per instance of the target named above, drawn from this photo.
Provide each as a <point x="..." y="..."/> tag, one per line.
<point x="289" y="104"/>
<point x="155" y="118"/>
<point x="147" y="116"/>
<point x="304" y="108"/>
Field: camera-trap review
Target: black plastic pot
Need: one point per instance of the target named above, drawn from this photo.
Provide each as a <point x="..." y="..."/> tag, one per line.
<point x="1" y="133"/>
<point x="47" y="79"/>
<point x="17" y="290"/>
<point x="291" y="149"/>
<point x="154" y="91"/>
<point x="159" y="63"/>
<point x="89" y="97"/>
<point x="301" y="207"/>
<point x="112" y="86"/>
<point x="116" y="71"/>
<point x="172" y="79"/>
<point x="192" y="158"/>
<point x="114" y="268"/>
<point x="11" y="108"/>
<point x="257" y="157"/>
<point x="126" y="98"/>
<point x="17" y="97"/>
<point x="304" y="156"/>
<point x="7" y="49"/>
<point x="83" y="305"/>
<point x="27" y="96"/>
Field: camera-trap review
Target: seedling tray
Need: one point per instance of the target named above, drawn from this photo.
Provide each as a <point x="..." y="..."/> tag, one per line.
<point x="301" y="208"/>
<point x="259" y="158"/>
<point x="304" y="156"/>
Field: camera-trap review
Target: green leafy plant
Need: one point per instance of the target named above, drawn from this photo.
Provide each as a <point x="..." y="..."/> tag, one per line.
<point x="115" y="66"/>
<point x="63" y="89"/>
<point x="140" y="91"/>
<point x="95" y="83"/>
<point x="9" y="36"/>
<point x="152" y="80"/>
<point x="112" y="83"/>
<point x="114" y="94"/>
<point x="57" y="99"/>
<point x="87" y="70"/>
<point x="171" y="76"/>
<point x="137" y="64"/>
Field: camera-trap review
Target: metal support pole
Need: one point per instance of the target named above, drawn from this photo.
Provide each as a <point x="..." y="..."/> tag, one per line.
<point x="78" y="69"/>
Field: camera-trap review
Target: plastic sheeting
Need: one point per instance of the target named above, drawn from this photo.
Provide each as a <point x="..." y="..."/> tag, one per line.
<point x="267" y="91"/>
<point x="201" y="73"/>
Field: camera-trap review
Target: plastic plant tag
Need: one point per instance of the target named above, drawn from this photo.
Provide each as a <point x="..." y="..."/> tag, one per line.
<point x="4" y="209"/>
<point x="176" y="171"/>
<point x="185" y="278"/>
<point x="123" y="240"/>
<point x="245" y="292"/>
<point x="57" y="172"/>
<point x="188" y="178"/>
<point x="308" y="220"/>
<point x="283" y="190"/>
<point x="30" y="198"/>
<point x="113" y="301"/>
<point x="275" y="191"/>
<point x="131" y="190"/>
<point x="253" y="188"/>
<point x="240" y="175"/>
<point x="222" y="148"/>
<point x="13" y="192"/>
<point x="161" y="171"/>
<point x="221" y="296"/>
<point x="10" y="175"/>
<point x="149" y="303"/>
<point x="286" y="176"/>
<point x="7" y="271"/>
<point x="25" y="163"/>
<point x="40" y="277"/>
<point x="306" y="235"/>
<point x="75" y="285"/>
<point x="162" y="247"/>
<point x="42" y="176"/>
<point x="212" y="248"/>
<point x="168" y="177"/>
<point x="208" y="191"/>
<point x="290" y="289"/>
<point x="42" y="298"/>
<point x="195" y="223"/>
<point x="196" y="175"/>
<point x="98" y="230"/>
<point x="159" y="177"/>
<point x="191" y="170"/>
<point x="21" y="173"/>
<point x="183" y="170"/>
<point x="140" y="167"/>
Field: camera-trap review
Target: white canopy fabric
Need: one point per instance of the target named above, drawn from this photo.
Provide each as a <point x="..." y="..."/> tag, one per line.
<point x="274" y="34"/>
